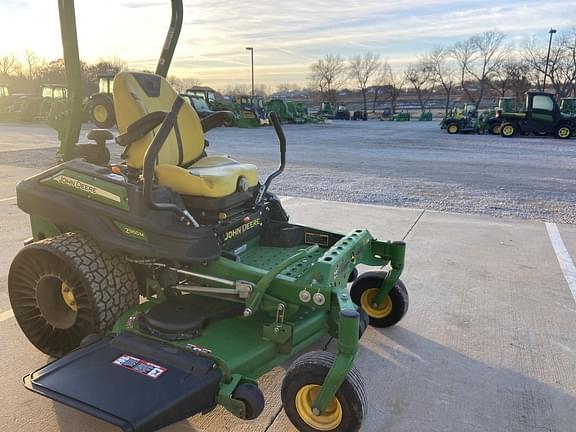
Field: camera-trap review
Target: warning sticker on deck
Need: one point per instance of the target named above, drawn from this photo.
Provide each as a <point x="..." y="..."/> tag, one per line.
<point x="143" y="367"/>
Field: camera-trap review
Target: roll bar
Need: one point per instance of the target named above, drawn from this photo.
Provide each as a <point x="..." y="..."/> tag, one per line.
<point x="69" y="137"/>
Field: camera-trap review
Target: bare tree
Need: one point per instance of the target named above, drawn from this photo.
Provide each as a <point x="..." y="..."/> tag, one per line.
<point x="33" y="63"/>
<point x="379" y="81"/>
<point x="183" y="83"/>
<point x="9" y="65"/>
<point x="421" y="77"/>
<point x="328" y="74"/>
<point x="511" y="78"/>
<point x="442" y="65"/>
<point x="393" y="83"/>
<point x="362" y="69"/>
<point x="562" y="63"/>
<point x="237" y="90"/>
<point x="478" y="58"/>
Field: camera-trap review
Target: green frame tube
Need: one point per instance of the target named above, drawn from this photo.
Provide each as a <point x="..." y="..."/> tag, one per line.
<point x="70" y="134"/>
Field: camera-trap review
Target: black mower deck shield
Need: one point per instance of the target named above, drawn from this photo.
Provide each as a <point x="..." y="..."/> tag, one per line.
<point x="133" y="382"/>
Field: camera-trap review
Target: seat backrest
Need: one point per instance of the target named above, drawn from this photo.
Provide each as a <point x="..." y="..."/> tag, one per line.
<point x="138" y="94"/>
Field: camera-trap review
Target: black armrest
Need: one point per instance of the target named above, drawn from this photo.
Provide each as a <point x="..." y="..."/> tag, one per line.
<point x="141" y="127"/>
<point x="217" y="119"/>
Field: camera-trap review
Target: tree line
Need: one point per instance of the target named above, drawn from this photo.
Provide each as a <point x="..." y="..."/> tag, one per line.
<point x="483" y="66"/>
<point x="28" y="72"/>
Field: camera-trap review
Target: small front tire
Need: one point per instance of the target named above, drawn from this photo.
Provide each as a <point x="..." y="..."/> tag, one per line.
<point x="252" y="398"/>
<point x="393" y="308"/>
<point x="302" y="383"/>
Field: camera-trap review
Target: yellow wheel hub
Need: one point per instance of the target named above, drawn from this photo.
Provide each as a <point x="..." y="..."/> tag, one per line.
<point x="329" y="420"/>
<point x="452" y="128"/>
<point x="496" y="130"/>
<point x="564" y="132"/>
<point x="68" y="296"/>
<point x="508" y="130"/>
<point x="100" y="113"/>
<point x="366" y="300"/>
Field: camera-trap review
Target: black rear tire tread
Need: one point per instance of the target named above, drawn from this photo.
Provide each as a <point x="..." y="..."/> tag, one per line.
<point x="312" y="368"/>
<point x="106" y="102"/>
<point x="104" y="286"/>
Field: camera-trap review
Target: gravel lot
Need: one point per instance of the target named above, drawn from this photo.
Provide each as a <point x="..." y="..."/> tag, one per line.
<point x="411" y="164"/>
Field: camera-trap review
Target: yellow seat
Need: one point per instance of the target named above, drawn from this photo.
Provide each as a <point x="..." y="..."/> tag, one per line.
<point x="211" y="176"/>
<point x="182" y="163"/>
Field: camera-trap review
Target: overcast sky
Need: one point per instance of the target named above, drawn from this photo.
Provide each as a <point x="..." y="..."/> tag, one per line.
<point x="286" y="35"/>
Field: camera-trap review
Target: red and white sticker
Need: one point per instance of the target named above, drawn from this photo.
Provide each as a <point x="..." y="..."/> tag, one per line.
<point x="140" y="366"/>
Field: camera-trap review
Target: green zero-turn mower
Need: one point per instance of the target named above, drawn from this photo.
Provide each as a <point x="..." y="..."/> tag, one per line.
<point x="231" y="288"/>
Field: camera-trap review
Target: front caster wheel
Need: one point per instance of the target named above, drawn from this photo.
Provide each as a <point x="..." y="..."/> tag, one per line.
<point x="253" y="399"/>
<point x="395" y="305"/>
<point x="301" y="385"/>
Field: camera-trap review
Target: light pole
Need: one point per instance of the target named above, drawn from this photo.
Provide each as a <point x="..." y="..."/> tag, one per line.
<point x="251" y="49"/>
<point x="551" y="31"/>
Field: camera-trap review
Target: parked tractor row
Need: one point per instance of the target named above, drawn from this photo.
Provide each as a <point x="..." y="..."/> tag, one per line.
<point x="540" y="116"/>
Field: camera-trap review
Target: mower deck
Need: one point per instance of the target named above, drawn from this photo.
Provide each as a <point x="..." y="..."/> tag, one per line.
<point x="135" y="383"/>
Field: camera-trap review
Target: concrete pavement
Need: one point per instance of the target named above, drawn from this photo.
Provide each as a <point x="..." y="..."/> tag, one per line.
<point x="488" y="343"/>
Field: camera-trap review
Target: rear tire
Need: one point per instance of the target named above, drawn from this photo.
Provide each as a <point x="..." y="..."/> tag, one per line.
<point x="453" y="128"/>
<point x="495" y="129"/>
<point x="508" y="130"/>
<point x="65" y="288"/>
<point x="564" y="132"/>
<point x="102" y="112"/>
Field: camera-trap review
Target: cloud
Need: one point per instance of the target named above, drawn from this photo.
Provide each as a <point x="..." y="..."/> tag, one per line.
<point x="138" y="5"/>
<point x="286" y="37"/>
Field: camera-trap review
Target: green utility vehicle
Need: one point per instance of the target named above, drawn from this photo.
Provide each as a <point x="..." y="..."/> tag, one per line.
<point x="252" y="111"/>
<point x="542" y="117"/>
<point x="101" y="104"/>
<point x="232" y="288"/>
<point x="463" y="121"/>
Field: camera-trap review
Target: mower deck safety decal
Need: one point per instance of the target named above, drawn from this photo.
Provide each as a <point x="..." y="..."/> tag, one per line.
<point x="143" y="367"/>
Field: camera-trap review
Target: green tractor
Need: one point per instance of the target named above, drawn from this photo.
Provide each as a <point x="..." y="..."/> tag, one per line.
<point x="252" y="111"/>
<point x="101" y="104"/>
<point x="206" y="93"/>
<point x="288" y="111"/>
<point x="37" y="107"/>
<point x="491" y="120"/>
<point x="232" y="288"/>
<point x="282" y="110"/>
<point x="541" y="117"/>
<point x="326" y="110"/>
<point x="199" y="104"/>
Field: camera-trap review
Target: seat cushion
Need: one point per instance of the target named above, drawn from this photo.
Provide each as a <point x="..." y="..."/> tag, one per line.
<point x="210" y="177"/>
